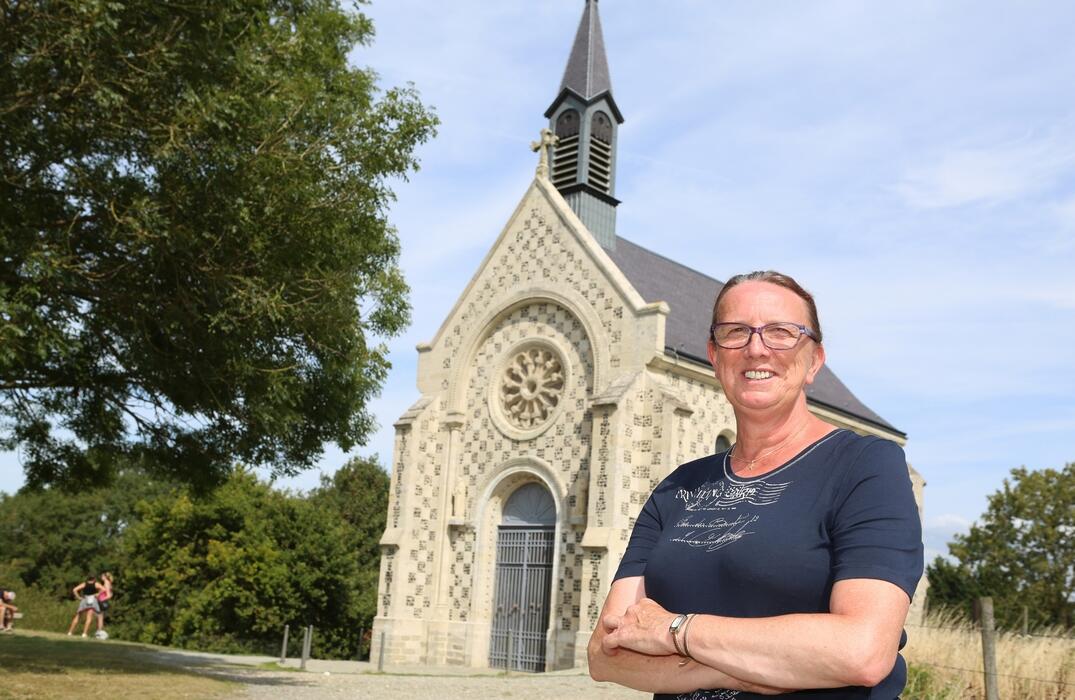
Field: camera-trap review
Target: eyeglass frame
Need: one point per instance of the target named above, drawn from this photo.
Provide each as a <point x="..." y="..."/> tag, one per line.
<point x="804" y="330"/>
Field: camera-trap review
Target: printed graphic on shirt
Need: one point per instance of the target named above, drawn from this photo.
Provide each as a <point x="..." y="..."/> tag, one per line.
<point x="716" y="694"/>
<point x="705" y="527"/>
<point x="722" y="495"/>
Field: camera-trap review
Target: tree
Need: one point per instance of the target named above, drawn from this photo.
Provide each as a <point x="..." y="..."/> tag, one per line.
<point x="51" y="539"/>
<point x="1022" y="552"/>
<point x="195" y="260"/>
<point x="358" y="493"/>
<point x="225" y="572"/>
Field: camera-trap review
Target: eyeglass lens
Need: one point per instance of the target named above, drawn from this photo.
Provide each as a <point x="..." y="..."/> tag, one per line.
<point x="776" y="336"/>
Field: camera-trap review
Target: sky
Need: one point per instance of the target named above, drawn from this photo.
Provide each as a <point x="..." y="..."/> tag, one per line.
<point x="912" y="164"/>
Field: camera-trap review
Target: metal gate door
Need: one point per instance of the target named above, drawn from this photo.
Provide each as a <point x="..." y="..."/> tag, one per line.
<point x="521" y="607"/>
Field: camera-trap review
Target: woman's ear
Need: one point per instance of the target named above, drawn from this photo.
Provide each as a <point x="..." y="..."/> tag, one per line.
<point x="816" y="363"/>
<point x="711" y="352"/>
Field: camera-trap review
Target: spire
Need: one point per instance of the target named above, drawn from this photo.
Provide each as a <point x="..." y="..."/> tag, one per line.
<point x="586" y="74"/>
<point x="585" y="120"/>
<point x="587" y="68"/>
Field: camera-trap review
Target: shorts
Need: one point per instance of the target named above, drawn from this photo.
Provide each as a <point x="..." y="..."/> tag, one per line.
<point x="88" y="602"/>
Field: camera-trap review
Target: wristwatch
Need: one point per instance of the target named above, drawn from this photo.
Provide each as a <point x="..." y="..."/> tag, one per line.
<point x="673" y="629"/>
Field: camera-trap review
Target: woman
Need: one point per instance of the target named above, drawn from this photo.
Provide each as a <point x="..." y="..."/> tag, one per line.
<point x="104" y="597"/>
<point x="784" y="564"/>
<point x="86" y="593"/>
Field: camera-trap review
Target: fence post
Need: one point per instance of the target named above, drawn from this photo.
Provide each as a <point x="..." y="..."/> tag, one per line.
<point x="989" y="649"/>
<point x="283" y="647"/>
<point x="1026" y="620"/>
<point x="361" y="637"/>
<point x="380" y="656"/>
<point x="305" y="646"/>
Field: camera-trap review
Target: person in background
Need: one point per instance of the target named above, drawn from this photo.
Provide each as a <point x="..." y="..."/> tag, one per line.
<point x="104" y="597"/>
<point x="785" y="564"/>
<point x="7" y="610"/>
<point x="86" y="593"/>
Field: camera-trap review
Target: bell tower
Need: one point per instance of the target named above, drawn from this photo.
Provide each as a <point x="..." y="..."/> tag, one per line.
<point x="585" y="119"/>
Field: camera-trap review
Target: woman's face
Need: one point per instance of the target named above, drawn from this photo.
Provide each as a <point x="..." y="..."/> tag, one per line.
<point x="755" y="377"/>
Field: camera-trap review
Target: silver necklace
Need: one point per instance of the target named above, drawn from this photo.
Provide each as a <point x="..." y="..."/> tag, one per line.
<point x="751" y="462"/>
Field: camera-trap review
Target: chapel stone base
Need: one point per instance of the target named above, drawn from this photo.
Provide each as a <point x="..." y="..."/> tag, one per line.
<point x="410" y="642"/>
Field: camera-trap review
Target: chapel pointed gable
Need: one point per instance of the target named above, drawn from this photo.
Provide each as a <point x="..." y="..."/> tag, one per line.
<point x="544" y="252"/>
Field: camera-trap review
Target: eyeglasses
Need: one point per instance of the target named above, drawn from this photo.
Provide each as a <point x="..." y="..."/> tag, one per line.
<point x="775" y="336"/>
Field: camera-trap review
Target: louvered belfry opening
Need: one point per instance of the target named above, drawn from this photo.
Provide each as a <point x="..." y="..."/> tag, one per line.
<point x="565" y="155"/>
<point x="600" y="170"/>
<point x="525" y="549"/>
<point x="585" y="117"/>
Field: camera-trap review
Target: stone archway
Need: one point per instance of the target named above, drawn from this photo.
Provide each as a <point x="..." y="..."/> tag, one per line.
<point x="524" y="561"/>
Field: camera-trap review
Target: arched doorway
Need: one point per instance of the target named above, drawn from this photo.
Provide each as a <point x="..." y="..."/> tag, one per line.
<point x="524" y="558"/>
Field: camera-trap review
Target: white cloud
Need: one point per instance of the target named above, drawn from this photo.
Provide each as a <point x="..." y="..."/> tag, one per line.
<point x="947" y="522"/>
<point x="986" y="174"/>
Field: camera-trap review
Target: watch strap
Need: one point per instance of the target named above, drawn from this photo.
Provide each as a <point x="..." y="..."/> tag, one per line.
<point x="674" y="628"/>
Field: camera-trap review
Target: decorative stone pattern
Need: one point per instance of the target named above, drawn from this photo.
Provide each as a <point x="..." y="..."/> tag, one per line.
<point x="540" y="253"/>
<point x="712" y="415"/>
<point x="415" y="507"/>
<point x="564" y="446"/>
<point x="462" y="568"/>
<point x="531" y="385"/>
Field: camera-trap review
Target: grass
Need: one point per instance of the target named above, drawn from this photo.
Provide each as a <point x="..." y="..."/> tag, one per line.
<point x="275" y="666"/>
<point x="44" y="611"/>
<point x="945" y="663"/>
<point x="56" y="666"/>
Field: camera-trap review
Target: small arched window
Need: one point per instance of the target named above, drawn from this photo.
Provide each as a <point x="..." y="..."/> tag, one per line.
<point x="723" y="444"/>
<point x="601" y="127"/>
<point x="530" y="505"/>
<point x="567" y="124"/>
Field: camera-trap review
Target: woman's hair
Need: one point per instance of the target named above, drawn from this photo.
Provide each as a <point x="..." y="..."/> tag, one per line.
<point x="780" y="280"/>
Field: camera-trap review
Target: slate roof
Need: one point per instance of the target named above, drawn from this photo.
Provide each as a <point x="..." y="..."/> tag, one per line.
<point x="690" y="296"/>
<point x="587" y="67"/>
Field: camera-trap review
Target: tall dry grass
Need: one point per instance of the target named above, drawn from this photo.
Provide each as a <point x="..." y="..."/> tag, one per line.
<point x="946" y="658"/>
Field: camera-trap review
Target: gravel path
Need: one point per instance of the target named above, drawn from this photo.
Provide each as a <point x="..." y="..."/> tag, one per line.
<point x="352" y="679"/>
<point x="394" y="687"/>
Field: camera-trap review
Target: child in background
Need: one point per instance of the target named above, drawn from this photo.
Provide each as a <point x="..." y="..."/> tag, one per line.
<point x="7" y="610"/>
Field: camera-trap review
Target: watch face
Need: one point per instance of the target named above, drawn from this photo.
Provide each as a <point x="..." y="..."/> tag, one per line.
<point x="677" y="622"/>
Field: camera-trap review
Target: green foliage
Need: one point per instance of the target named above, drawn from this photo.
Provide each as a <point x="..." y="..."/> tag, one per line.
<point x="358" y="493"/>
<point x="228" y="571"/>
<point x="222" y="571"/>
<point x="925" y="684"/>
<point x="1022" y="553"/>
<point x="51" y="539"/>
<point x="42" y="610"/>
<point x="952" y="587"/>
<point x="194" y="251"/>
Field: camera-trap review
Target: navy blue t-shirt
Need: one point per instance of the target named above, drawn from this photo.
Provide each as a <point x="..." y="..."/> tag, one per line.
<point x="708" y="541"/>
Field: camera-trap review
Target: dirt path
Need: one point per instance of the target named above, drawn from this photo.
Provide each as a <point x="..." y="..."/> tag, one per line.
<point x="310" y="686"/>
<point x="352" y="679"/>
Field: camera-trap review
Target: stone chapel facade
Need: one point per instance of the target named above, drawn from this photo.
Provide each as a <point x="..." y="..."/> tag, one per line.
<point x="567" y="381"/>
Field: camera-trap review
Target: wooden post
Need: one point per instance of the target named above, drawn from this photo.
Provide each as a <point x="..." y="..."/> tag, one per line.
<point x="283" y="647"/>
<point x="305" y="645"/>
<point x="361" y="636"/>
<point x="989" y="649"/>
<point x="380" y="656"/>
<point x="1026" y="620"/>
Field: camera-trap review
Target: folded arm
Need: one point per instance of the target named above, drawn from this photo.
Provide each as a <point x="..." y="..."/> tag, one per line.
<point x="651" y="672"/>
<point x="855" y="643"/>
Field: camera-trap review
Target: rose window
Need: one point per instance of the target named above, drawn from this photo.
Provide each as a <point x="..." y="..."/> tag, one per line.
<point x="531" y="387"/>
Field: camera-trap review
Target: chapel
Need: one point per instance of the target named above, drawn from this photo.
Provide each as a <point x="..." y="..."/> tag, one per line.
<point x="569" y="378"/>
